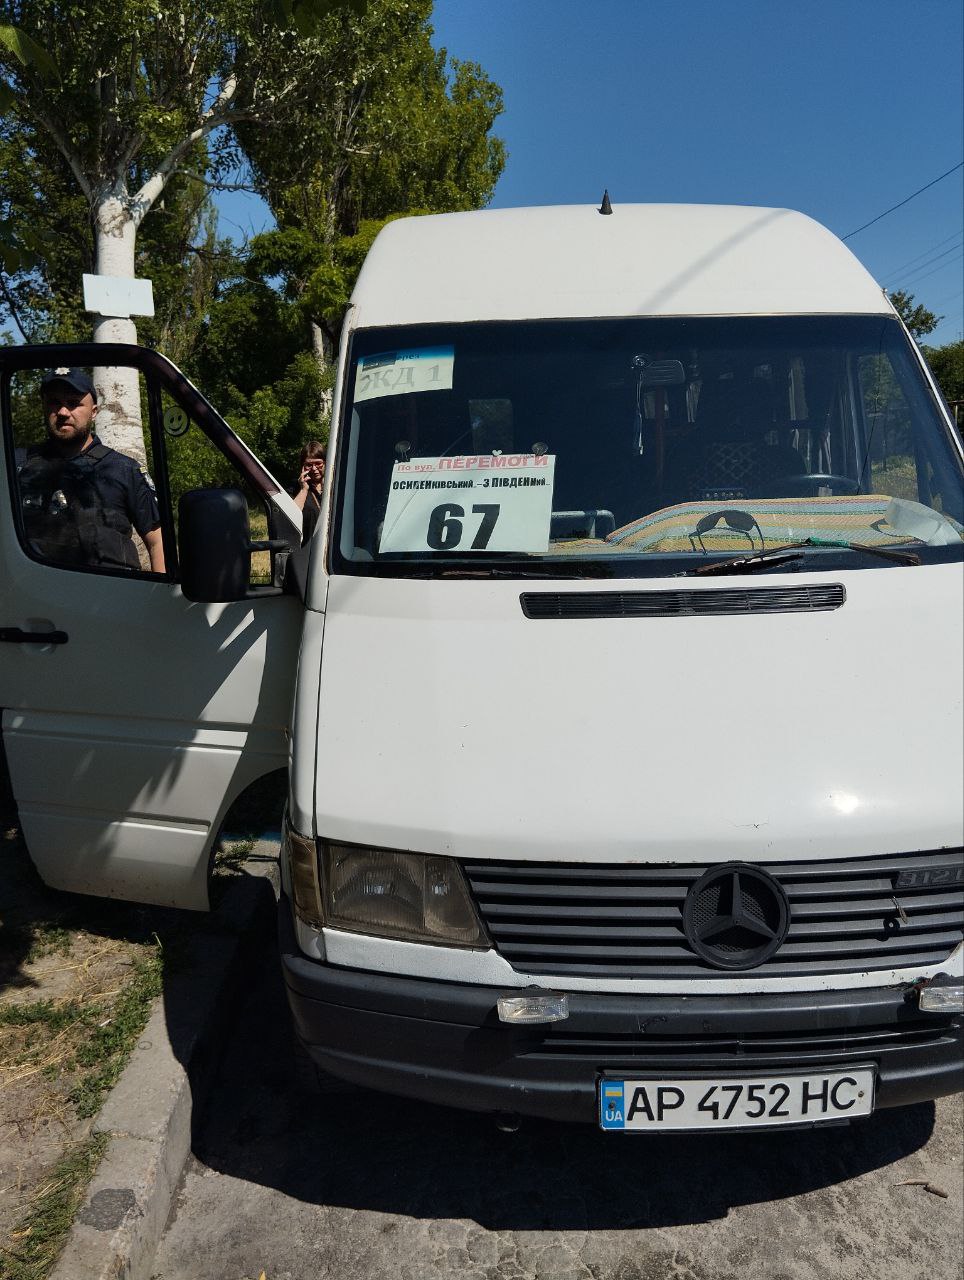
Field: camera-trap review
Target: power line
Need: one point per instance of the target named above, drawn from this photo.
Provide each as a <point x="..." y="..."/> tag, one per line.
<point x="910" y="262"/>
<point x="901" y="203"/>
<point x="928" y="262"/>
<point x="952" y="298"/>
<point x="915" y="279"/>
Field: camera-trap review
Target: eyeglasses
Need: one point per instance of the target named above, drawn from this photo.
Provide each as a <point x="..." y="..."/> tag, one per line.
<point x="738" y="521"/>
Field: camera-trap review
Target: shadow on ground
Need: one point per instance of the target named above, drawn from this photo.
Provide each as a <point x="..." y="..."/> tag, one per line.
<point x="36" y="921"/>
<point x="374" y="1152"/>
<point x="32" y="915"/>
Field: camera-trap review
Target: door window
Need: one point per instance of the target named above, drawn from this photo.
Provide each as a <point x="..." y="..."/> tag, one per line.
<point x="192" y="462"/>
<point x="94" y="493"/>
<point x="82" y="503"/>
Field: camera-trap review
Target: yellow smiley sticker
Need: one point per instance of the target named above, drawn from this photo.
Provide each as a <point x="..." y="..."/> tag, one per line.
<point x="175" y="421"/>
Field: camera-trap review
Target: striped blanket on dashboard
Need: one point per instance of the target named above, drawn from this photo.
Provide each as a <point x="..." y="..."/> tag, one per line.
<point x="861" y="518"/>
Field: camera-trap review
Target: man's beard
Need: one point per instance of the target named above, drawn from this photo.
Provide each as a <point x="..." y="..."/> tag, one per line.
<point x="77" y="439"/>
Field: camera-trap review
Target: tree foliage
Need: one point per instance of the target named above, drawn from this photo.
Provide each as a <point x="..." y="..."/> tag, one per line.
<point x="947" y="364"/>
<point x="339" y="112"/>
<point x="113" y="109"/>
<point x="398" y="128"/>
<point x="41" y="208"/>
<point x="135" y="94"/>
<point x="917" y="318"/>
<point x="129" y="87"/>
<point x="46" y="224"/>
<point x="402" y="131"/>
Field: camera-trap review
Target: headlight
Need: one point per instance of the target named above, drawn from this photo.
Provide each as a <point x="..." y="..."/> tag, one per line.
<point x="415" y="896"/>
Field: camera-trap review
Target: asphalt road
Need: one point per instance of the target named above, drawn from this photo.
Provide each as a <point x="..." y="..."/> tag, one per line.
<point x="370" y="1187"/>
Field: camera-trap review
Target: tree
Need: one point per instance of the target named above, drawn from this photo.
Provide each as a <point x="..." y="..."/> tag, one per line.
<point x="41" y="212"/>
<point x="40" y="293"/>
<point x="388" y="126"/>
<point x="398" y="129"/>
<point x="947" y="364"/>
<point x="254" y="361"/>
<point x="132" y="94"/>
<point x="402" y="131"/>
<point x="19" y="248"/>
<point x="917" y="318"/>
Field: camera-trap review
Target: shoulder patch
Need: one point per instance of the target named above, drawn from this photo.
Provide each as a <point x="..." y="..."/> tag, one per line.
<point x="146" y="474"/>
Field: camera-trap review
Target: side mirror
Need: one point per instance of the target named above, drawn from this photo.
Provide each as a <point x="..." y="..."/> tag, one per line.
<point x="214" y="543"/>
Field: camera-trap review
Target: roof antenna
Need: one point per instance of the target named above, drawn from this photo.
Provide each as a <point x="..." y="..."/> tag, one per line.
<point x="605" y="207"/>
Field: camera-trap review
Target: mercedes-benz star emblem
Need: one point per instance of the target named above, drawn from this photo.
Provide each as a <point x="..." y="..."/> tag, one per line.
<point x="736" y="916"/>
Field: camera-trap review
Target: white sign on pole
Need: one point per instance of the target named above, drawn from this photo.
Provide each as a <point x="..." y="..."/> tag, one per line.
<point x="480" y="502"/>
<point x="118" y="296"/>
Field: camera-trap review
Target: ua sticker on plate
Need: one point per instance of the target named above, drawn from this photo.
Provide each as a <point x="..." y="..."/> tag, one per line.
<point x="396" y="373"/>
<point x="474" y="502"/>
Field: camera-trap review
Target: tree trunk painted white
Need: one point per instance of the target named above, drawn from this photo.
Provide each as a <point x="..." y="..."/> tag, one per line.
<point x="323" y="351"/>
<point x="117" y="216"/>
<point x="118" y="388"/>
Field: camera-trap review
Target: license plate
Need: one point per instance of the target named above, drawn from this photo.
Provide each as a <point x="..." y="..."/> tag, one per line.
<point x="725" y="1103"/>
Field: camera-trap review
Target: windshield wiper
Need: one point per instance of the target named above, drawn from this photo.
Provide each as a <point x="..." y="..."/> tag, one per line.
<point x="750" y="564"/>
<point x="898" y="554"/>
<point x="780" y="555"/>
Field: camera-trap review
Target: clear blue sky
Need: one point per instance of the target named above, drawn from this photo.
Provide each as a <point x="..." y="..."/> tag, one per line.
<point x="840" y="108"/>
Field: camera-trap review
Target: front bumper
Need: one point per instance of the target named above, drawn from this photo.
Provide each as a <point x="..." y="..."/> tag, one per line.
<point x="443" y="1042"/>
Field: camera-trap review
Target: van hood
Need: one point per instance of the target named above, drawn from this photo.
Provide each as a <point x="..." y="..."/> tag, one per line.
<point x="451" y="723"/>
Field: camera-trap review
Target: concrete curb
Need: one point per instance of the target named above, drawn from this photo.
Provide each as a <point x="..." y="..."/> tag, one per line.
<point x="153" y="1109"/>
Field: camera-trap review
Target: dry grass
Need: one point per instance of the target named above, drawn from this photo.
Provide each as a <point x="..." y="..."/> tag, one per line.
<point x="77" y="981"/>
<point x="78" y="977"/>
<point x="260" y="560"/>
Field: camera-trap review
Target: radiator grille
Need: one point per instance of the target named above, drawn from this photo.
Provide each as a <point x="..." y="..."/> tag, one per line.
<point x="681" y="603"/>
<point x="797" y="1047"/>
<point x="626" y="921"/>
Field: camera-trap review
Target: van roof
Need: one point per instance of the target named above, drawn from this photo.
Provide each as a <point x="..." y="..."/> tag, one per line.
<point x="642" y="260"/>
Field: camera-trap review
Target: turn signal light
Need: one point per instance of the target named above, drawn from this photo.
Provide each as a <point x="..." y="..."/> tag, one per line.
<point x="305" y="887"/>
<point x="942" y="997"/>
<point x="550" y="1007"/>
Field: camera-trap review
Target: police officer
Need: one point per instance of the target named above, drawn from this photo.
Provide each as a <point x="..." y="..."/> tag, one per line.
<point x="81" y="499"/>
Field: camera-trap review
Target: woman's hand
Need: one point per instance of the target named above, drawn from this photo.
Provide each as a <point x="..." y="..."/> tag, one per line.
<point x="310" y="480"/>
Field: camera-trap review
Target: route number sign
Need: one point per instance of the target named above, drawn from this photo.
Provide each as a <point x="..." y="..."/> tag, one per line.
<point x="472" y="502"/>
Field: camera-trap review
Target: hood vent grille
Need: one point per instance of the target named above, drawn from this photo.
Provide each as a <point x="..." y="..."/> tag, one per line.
<point x="681" y="603"/>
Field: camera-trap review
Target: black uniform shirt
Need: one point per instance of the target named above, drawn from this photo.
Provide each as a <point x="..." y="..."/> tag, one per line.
<point x="122" y="482"/>
<point x="81" y="510"/>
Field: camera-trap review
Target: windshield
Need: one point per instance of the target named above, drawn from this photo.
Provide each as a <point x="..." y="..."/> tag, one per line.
<point x="639" y="447"/>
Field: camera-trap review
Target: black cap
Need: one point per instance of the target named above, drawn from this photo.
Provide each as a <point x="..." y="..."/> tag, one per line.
<point x="75" y="378"/>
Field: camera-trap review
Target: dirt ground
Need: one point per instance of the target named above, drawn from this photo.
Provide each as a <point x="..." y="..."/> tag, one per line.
<point x="65" y="968"/>
<point x="78" y="977"/>
<point x="366" y="1186"/>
